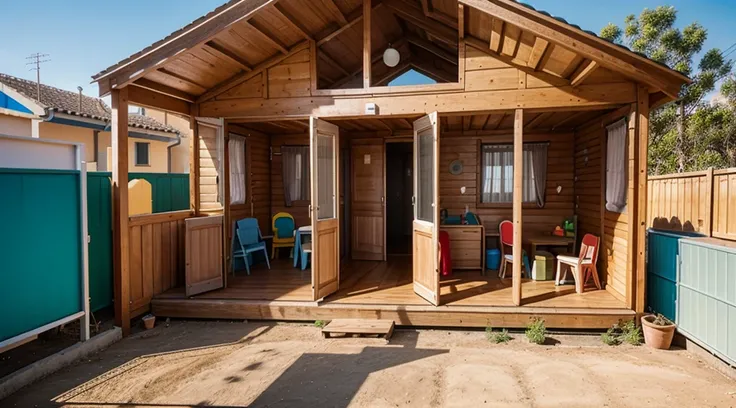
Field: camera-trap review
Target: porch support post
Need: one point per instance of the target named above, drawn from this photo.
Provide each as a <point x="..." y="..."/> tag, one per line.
<point x="642" y="138"/>
<point x="518" y="197"/>
<point x="121" y="266"/>
<point x="367" y="59"/>
<point x="194" y="160"/>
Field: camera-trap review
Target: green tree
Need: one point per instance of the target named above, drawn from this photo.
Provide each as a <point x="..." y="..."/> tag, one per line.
<point x="653" y="33"/>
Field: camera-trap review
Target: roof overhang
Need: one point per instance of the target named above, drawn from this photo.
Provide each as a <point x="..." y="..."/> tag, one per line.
<point x="31" y="104"/>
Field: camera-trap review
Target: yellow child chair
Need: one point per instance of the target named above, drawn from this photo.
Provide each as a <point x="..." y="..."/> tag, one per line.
<point x="283" y="232"/>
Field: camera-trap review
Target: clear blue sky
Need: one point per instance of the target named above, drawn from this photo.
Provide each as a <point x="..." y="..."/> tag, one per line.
<point x="84" y="36"/>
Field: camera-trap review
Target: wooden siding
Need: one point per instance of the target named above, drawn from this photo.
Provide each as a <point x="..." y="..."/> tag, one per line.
<point x="209" y="168"/>
<point x="299" y="209"/>
<point x="260" y="180"/>
<point x="156" y="256"/>
<point x="559" y="172"/>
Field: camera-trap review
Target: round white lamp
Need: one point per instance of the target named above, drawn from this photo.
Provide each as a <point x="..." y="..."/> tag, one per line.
<point x="391" y="57"/>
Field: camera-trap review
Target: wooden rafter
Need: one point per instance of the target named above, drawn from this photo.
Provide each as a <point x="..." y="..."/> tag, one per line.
<point x="496" y="34"/>
<point x="539" y="119"/>
<point x="573" y="116"/>
<point x="332" y="62"/>
<point x="432" y="48"/>
<point x="181" y="78"/>
<point x="540" y="46"/>
<point x="335" y="11"/>
<point x="288" y="21"/>
<point x="374" y="58"/>
<point x="583" y="72"/>
<point x="443" y="18"/>
<point x="414" y="15"/>
<point x="367" y="63"/>
<point x="222" y="52"/>
<point x="510" y="40"/>
<point x="267" y="39"/>
<point x="353" y="19"/>
<point x="163" y="89"/>
<point x="428" y="69"/>
<point x="242" y="77"/>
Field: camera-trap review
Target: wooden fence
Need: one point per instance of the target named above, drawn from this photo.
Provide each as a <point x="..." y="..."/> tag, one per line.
<point x="703" y="201"/>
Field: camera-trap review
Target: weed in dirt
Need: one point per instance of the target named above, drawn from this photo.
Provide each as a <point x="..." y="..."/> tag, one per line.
<point x="497" y="337"/>
<point x="320" y="324"/>
<point x="612" y="336"/>
<point x="536" y="331"/>
<point x="630" y="334"/>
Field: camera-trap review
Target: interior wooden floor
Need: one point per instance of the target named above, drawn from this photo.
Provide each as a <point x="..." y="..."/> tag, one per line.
<point x="390" y="283"/>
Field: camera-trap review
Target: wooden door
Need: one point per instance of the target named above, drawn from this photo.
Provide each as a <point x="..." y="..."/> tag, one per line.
<point x="324" y="147"/>
<point x="368" y="201"/>
<point x="425" y="230"/>
<point x="204" y="254"/>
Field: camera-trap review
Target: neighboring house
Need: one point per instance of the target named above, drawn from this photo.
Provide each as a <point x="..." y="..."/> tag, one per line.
<point x="72" y="116"/>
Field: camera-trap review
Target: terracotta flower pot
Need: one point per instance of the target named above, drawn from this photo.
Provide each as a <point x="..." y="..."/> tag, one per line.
<point x="655" y="336"/>
<point x="149" y="321"/>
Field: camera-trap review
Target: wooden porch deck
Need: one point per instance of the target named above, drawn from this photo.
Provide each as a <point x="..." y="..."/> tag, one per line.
<point x="384" y="289"/>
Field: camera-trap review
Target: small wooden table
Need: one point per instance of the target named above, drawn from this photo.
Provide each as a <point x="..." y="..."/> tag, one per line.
<point x="546" y="240"/>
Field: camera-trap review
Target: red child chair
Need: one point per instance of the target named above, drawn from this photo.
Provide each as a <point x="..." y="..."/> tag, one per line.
<point x="582" y="266"/>
<point x="506" y="236"/>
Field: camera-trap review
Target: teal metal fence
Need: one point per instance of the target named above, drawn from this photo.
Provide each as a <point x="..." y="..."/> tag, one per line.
<point x="662" y="259"/>
<point x="170" y="192"/>
<point x="40" y="263"/>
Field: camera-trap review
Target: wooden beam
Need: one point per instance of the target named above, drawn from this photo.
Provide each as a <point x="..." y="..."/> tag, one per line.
<point x="193" y="36"/>
<point x="181" y="78"/>
<point x="332" y="62"/>
<point x="517" y="204"/>
<point x="589" y="47"/>
<point x="496" y="34"/>
<point x="163" y="89"/>
<point x="242" y="77"/>
<point x="194" y="160"/>
<point x="539" y="119"/>
<point x="267" y="39"/>
<point x="511" y="35"/>
<point x="573" y="116"/>
<point x="642" y="127"/>
<point x="414" y="15"/>
<point x="152" y="99"/>
<point x="335" y="12"/>
<point x="353" y="19"/>
<point x="594" y="96"/>
<point x="222" y="52"/>
<point x="120" y="234"/>
<point x="367" y="63"/>
<point x="583" y="72"/>
<point x="289" y="22"/>
<point x="434" y="49"/>
<point x="540" y="46"/>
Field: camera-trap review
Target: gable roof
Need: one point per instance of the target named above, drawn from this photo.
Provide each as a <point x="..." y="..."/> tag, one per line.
<point x="62" y="101"/>
<point x="612" y="55"/>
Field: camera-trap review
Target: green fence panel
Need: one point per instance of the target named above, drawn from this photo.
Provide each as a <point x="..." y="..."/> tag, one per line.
<point x="169" y="191"/>
<point x="40" y="248"/>
<point x="99" y="227"/>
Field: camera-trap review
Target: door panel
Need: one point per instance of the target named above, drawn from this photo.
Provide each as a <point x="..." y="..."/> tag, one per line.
<point x="368" y="202"/>
<point x="204" y="254"/>
<point x="324" y="148"/>
<point x="425" y="232"/>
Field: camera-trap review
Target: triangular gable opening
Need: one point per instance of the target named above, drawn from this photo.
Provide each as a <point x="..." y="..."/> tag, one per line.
<point x="412" y="77"/>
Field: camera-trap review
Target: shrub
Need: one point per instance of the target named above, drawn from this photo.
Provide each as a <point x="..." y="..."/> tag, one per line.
<point x="630" y="333"/>
<point x="497" y="336"/>
<point x="611" y="337"/>
<point x="536" y="331"/>
<point x="320" y="323"/>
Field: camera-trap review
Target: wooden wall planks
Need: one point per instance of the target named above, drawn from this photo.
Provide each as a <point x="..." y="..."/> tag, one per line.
<point x="299" y="209"/>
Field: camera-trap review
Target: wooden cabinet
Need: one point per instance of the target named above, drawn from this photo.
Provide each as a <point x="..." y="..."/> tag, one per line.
<point x="466" y="245"/>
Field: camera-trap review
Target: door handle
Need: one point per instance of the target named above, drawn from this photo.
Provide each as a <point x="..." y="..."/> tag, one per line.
<point x="383" y="200"/>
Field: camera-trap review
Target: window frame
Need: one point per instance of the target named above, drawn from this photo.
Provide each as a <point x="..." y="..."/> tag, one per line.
<point x="136" y="158"/>
<point x="479" y="178"/>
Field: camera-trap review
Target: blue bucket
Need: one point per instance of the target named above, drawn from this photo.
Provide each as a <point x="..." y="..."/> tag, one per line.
<point x="493" y="259"/>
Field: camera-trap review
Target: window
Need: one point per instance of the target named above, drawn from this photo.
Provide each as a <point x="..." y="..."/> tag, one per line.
<point x="142" y="154"/>
<point x="497" y="166"/>
<point x="616" y="167"/>
<point x="236" y="150"/>
<point x="295" y="172"/>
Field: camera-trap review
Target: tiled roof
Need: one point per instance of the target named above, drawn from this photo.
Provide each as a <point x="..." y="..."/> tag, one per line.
<point x="59" y="100"/>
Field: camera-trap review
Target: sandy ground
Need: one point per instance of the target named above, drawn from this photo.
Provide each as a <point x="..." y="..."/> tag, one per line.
<point x="236" y="364"/>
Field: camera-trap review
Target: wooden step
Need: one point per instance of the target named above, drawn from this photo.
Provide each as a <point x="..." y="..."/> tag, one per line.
<point x="360" y="327"/>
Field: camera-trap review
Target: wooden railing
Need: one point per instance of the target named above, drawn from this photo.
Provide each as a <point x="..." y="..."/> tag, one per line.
<point x="703" y="201"/>
<point x="156" y="256"/>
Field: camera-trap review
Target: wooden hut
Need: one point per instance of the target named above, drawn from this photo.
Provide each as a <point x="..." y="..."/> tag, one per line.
<point x="278" y="81"/>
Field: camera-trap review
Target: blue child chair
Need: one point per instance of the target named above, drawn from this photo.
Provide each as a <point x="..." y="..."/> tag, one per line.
<point x="249" y="238"/>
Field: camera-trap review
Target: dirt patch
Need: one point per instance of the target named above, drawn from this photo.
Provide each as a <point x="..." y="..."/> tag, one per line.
<point x="258" y="364"/>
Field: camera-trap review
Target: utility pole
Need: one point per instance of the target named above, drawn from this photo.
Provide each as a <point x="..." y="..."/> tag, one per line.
<point x="35" y="62"/>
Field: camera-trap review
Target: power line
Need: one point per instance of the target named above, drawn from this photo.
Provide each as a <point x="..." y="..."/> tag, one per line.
<point x="35" y="61"/>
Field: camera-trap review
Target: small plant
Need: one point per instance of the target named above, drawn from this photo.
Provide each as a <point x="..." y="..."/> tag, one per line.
<point x="497" y="337"/>
<point x="536" y="331"/>
<point x="660" y="320"/>
<point x="630" y="334"/>
<point x="612" y="336"/>
<point x="320" y="324"/>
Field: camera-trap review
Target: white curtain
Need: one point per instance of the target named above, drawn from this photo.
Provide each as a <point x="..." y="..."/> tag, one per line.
<point x="295" y="173"/>
<point x="236" y="149"/>
<point x="498" y="173"/>
<point x="616" y="167"/>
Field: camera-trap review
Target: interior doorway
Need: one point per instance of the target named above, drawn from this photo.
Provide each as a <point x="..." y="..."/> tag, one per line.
<point x="399" y="190"/>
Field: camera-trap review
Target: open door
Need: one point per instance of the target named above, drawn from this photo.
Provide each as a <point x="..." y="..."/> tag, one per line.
<point x="204" y="254"/>
<point x="425" y="230"/>
<point x="324" y="147"/>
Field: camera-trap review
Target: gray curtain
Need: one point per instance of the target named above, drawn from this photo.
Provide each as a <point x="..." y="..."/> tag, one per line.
<point x="538" y="152"/>
<point x="616" y="167"/>
<point x="295" y="173"/>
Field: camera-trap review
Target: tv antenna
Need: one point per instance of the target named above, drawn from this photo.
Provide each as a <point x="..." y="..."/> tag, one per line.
<point x="35" y="61"/>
